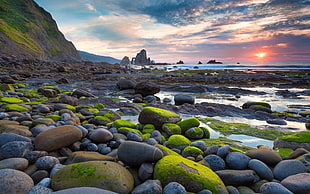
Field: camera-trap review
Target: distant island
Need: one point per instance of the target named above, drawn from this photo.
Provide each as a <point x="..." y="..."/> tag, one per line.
<point x="180" y="62"/>
<point x="214" y="62"/>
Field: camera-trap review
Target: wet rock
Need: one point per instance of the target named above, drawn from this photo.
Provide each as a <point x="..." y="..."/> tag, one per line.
<point x="81" y="190"/>
<point x="46" y="162"/>
<point x="267" y="156"/>
<point x="261" y="169"/>
<point x="15" y="149"/>
<point x="14" y="163"/>
<point x="58" y="137"/>
<point x="143" y="153"/>
<point x="237" y="160"/>
<point x="287" y="168"/>
<point x="298" y="183"/>
<point x="7" y="137"/>
<point x="273" y="187"/>
<point x="238" y="177"/>
<point x="183" y="99"/>
<point x="215" y="162"/>
<point x="149" y="186"/>
<point x="276" y="121"/>
<point x="113" y="176"/>
<point x="146" y="88"/>
<point x="15" y="181"/>
<point x="100" y="135"/>
<point x="174" y="187"/>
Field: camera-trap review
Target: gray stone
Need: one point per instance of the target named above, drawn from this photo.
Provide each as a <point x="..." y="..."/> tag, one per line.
<point x="183" y="99"/>
<point x="43" y="108"/>
<point x="15" y="181"/>
<point x="267" y="156"/>
<point x="40" y="190"/>
<point x="84" y="190"/>
<point x="32" y="156"/>
<point x="46" y="182"/>
<point x="7" y="137"/>
<point x="174" y="187"/>
<point x="146" y="88"/>
<point x="82" y="93"/>
<point x="15" y="149"/>
<point x="199" y="144"/>
<point x="261" y="169"/>
<point x="38" y="175"/>
<point x="14" y="163"/>
<point x="232" y="190"/>
<point x="215" y="162"/>
<point x="276" y="121"/>
<point x="100" y="135"/>
<point x="46" y="162"/>
<point x="142" y="153"/>
<point x="287" y="168"/>
<point x="36" y="130"/>
<point x="237" y="160"/>
<point x="134" y="136"/>
<point x="238" y="177"/>
<point x="148" y="187"/>
<point x="299" y="183"/>
<point x="274" y="188"/>
<point x="222" y="151"/>
<point x="279" y="143"/>
<point x="124" y="84"/>
<point x="145" y="171"/>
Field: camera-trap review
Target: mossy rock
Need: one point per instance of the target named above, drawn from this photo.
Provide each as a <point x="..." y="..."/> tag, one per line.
<point x="54" y="117"/>
<point x="261" y="104"/>
<point x="171" y="129"/>
<point x="100" y="120"/>
<point x="148" y="128"/>
<point x="16" y="107"/>
<point x="7" y="87"/>
<point x="194" y="133"/>
<point x="177" y="140"/>
<point x="15" y="128"/>
<point x="192" y="175"/>
<point x="70" y="107"/>
<point x="99" y="106"/>
<point x="188" y="123"/>
<point x="125" y="130"/>
<point x="191" y="151"/>
<point x="157" y="116"/>
<point x="100" y="174"/>
<point x="206" y="132"/>
<point x="11" y="100"/>
<point x="284" y="152"/>
<point x="93" y="110"/>
<point x="298" y="137"/>
<point x="123" y="123"/>
<point x="166" y="151"/>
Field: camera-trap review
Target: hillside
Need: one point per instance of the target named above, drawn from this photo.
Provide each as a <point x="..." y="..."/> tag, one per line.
<point x="28" y="31"/>
<point x="97" y="58"/>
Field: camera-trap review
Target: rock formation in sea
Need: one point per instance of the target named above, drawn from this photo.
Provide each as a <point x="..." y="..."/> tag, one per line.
<point x="141" y="59"/>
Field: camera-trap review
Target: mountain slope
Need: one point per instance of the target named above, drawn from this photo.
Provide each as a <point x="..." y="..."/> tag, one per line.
<point x="97" y="58"/>
<point x="28" y="31"/>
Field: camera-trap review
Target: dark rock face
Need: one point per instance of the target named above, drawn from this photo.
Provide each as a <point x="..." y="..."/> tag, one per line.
<point x="141" y="58"/>
<point x="38" y="32"/>
<point x="147" y="88"/>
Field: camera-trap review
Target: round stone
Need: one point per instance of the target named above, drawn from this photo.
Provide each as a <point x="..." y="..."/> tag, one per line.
<point x="261" y="169"/>
<point x="7" y="137"/>
<point x="46" y="162"/>
<point x="134" y="136"/>
<point x="15" y="149"/>
<point x="101" y="135"/>
<point x="14" y="163"/>
<point x="222" y="151"/>
<point x="15" y="181"/>
<point x="174" y="187"/>
<point x="267" y="156"/>
<point x="237" y="160"/>
<point x="149" y="186"/>
<point x="298" y="183"/>
<point x="273" y="187"/>
<point x="287" y="168"/>
<point x="215" y="162"/>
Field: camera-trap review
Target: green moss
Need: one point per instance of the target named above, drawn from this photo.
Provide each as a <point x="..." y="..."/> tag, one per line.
<point x="174" y="168"/>
<point x="83" y="170"/>
<point x="263" y="104"/>
<point x="178" y="140"/>
<point x="298" y="137"/>
<point x="188" y="123"/>
<point x="146" y="136"/>
<point x="284" y="152"/>
<point x="161" y="112"/>
<point x="54" y="117"/>
<point x="166" y="150"/>
<point x="109" y="115"/>
<point x="102" y="118"/>
<point x="123" y="123"/>
<point x="225" y="141"/>
<point x="241" y="128"/>
<point x="192" y="150"/>
<point x="11" y="100"/>
<point x="206" y="132"/>
<point x="47" y="87"/>
<point x="99" y="106"/>
<point x="127" y="129"/>
<point x="195" y="131"/>
<point x="15" y="107"/>
<point x="148" y="128"/>
<point x="171" y="128"/>
<point x="93" y="110"/>
<point x="29" y="93"/>
<point x="7" y="87"/>
<point x="70" y="107"/>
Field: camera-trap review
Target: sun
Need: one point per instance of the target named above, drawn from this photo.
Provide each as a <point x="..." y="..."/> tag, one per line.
<point x="260" y="55"/>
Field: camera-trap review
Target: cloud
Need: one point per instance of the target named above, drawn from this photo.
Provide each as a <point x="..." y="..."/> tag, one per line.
<point x="90" y="7"/>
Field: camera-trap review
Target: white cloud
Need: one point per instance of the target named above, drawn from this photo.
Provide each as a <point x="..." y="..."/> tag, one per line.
<point x="90" y="7"/>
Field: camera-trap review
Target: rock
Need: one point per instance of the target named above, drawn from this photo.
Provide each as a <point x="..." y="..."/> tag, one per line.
<point x="149" y="186"/>
<point x="174" y="187"/>
<point x="46" y="162"/>
<point x="15" y="181"/>
<point x="199" y="144"/>
<point x="146" y="88"/>
<point x="186" y="124"/>
<point x="307" y="125"/>
<point x="16" y="129"/>
<point x="84" y="190"/>
<point x="100" y="135"/>
<point x="238" y="177"/>
<point x="193" y="176"/>
<point x="124" y="84"/>
<point x="73" y="101"/>
<point x="232" y="190"/>
<point x="287" y="168"/>
<point x="49" y="92"/>
<point x="171" y="129"/>
<point x="276" y="121"/>
<point x="237" y="161"/>
<point x="7" y="137"/>
<point x="261" y="169"/>
<point x="58" y="137"/>
<point x="298" y="152"/>
<point x="222" y="151"/>
<point x="157" y="117"/>
<point x="82" y="93"/>
<point x="15" y="149"/>
<point x="178" y="142"/>
<point x="141" y="58"/>
<point x="298" y="183"/>
<point x="142" y="153"/>
<point x="82" y="156"/>
<point x="194" y="133"/>
<point x="248" y="105"/>
<point x="183" y="99"/>
<point x="14" y="163"/>
<point x="44" y="121"/>
<point x="32" y="156"/>
<point x="134" y="136"/>
<point x="191" y="151"/>
<point x="267" y="156"/>
<point x="294" y="141"/>
<point x="105" y="175"/>
<point x="145" y="171"/>
<point x="36" y="130"/>
<point x="38" y="175"/>
<point x="40" y="190"/>
<point x="215" y="162"/>
<point x="273" y="187"/>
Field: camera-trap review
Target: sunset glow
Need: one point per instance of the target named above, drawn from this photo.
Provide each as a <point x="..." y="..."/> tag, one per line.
<point x="260" y="55"/>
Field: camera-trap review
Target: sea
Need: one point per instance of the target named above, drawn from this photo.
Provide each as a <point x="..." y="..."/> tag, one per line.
<point x="268" y="66"/>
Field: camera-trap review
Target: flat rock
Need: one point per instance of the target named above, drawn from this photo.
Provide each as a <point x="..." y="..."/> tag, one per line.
<point x="237" y="177"/>
<point x="58" y="137"/>
<point x="7" y="137"/>
<point x="17" y="129"/>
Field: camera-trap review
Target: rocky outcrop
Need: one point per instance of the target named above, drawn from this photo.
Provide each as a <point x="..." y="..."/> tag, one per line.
<point x="32" y="33"/>
<point x="141" y="58"/>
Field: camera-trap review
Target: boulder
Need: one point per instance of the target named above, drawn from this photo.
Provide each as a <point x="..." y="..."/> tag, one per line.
<point x="104" y="175"/>
<point x="287" y="168"/>
<point x="298" y="183"/>
<point x="183" y="99"/>
<point x="294" y="141"/>
<point x="273" y="187"/>
<point x="84" y="156"/>
<point x="267" y="156"/>
<point x="178" y="142"/>
<point x="15" y="181"/>
<point x="124" y="84"/>
<point x="146" y="88"/>
<point x="135" y="153"/>
<point x="238" y="177"/>
<point x="188" y="123"/>
<point x="157" y="117"/>
<point x="193" y="176"/>
<point x="58" y="137"/>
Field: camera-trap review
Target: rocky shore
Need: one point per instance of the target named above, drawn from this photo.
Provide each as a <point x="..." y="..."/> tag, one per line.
<point x="62" y="131"/>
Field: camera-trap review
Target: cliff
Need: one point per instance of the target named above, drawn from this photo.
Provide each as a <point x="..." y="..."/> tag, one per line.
<point x="28" y="31"/>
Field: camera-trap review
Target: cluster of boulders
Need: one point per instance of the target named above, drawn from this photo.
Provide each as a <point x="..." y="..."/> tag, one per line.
<point x="62" y="147"/>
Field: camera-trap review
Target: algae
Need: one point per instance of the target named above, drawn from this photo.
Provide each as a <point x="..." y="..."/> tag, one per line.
<point x="11" y="100"/>
<point x="161" y="112"/>
<point x="15" y="107"/>
<point x="188" y="123"/>
<point x="298" y="137"/>
<point x="123" y="123"/>
<point x="178" y="140"/>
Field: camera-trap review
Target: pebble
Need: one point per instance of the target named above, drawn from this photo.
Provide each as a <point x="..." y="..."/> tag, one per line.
<point x="14" y="163"/>
<point x="222" y="151"/>
<point x="261" y="169"/>
<point x="287" y="168"/>
<point x="15" y="181"/>
<point x="298" y="183"/>
<point x="100" y="135"/>
<point x="149" y="186"/>
<point x="8" y="137"/>
<point x="145" y="171"/>
<point x="237" y="177"/>
<point x="32" y="156"/>
<point x="40" y="190"/>
<point x="157" y="136"/>
<point x="274" y="188"/>
<point x="215" y="162"/>
<point x="46" y="162"/>
<point x="36" y="130"/>
<point x="174" y="187"/>
<point x="38" y="175"/>
<point x="15" y="149"/>
<point x="237" y="160"/>
<point x="134" y="136"/>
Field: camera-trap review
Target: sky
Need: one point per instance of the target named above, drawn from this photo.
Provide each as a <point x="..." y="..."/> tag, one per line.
<point x="189" y="30"/>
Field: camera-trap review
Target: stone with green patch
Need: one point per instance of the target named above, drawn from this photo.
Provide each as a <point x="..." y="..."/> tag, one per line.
<point x="171" y="129"/>
<point x="123" y="123"/>
<point x="192" y="175"/>
<point x="194" y="133"/>
<point x="11" y="100"/>
<point x="191" y="151"/>
<point x="177" y="141"/>
<point x="148" y="128"/>
<point x="188" y="123"/>
<point x="16" y="107"/>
